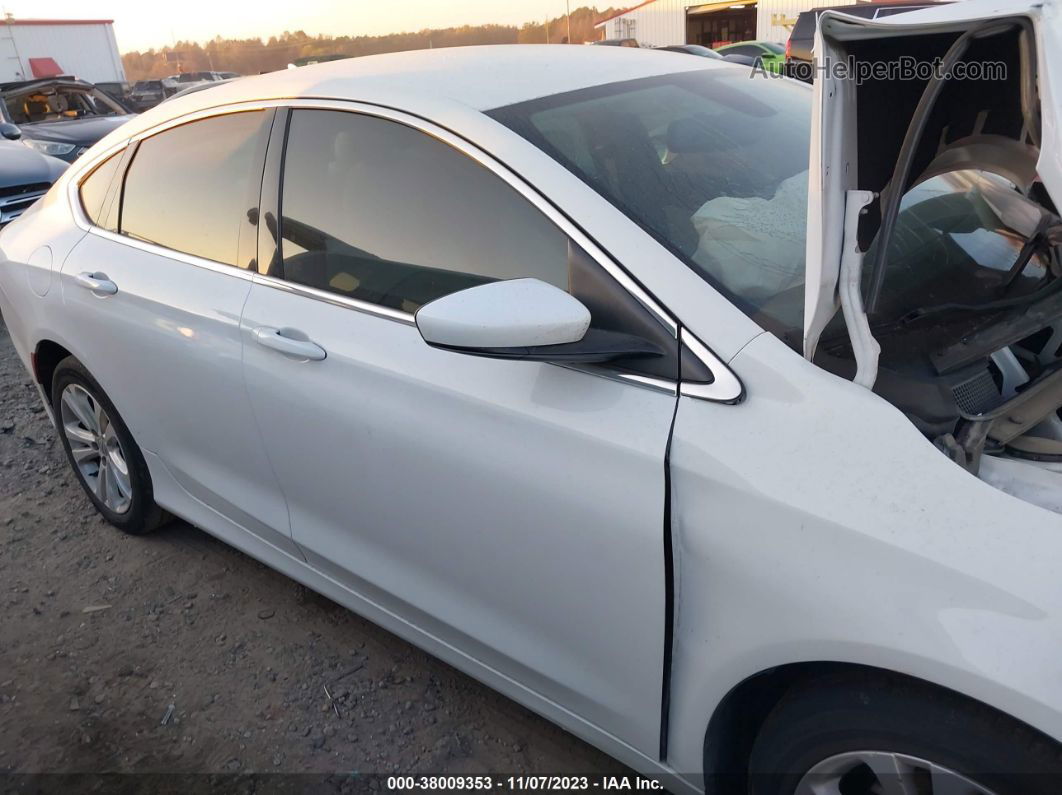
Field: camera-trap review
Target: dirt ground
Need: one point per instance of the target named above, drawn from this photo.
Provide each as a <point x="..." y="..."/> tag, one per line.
<point x="100" y="633"/>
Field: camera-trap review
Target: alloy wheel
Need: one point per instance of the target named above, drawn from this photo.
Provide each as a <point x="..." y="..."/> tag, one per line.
<point x="95" y="448"/>
<point x="884" y="773"/>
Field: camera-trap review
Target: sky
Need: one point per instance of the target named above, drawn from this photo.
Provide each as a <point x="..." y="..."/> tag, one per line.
<point x="142" y="24"/>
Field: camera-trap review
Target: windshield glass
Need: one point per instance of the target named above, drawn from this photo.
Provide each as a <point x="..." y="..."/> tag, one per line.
<point x="712" y="163"/>
<point x="957" y="238"/>
<point x="771" y="46"/>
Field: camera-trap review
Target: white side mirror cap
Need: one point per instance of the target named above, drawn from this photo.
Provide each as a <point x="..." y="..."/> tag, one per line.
<point x="517" y="313"/>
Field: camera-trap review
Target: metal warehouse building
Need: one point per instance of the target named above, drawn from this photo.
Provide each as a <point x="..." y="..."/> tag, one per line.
<point x="85" y="48"/>
<point x="657" y="23"/>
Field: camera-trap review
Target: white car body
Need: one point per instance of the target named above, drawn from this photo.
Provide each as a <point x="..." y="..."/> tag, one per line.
<point x="810" y="522"/>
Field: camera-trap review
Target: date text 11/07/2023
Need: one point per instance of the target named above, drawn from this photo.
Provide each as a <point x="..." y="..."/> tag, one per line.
<point x="523" y="783"/>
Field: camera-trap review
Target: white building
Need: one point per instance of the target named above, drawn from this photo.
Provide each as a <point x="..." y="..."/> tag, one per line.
<point x="657" y="23"/>
<point x="85" y="48"/>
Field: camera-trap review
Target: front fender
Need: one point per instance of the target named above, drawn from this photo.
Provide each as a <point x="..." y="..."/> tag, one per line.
<point x="814" y="523"/>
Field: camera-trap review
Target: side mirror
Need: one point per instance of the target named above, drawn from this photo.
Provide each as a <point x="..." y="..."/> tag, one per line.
<point x="523" y="319"/>
<point x="10" y="131"/>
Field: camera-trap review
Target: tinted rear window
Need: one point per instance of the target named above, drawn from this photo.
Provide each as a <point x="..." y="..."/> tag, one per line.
<point x="805" y="25"/>
<point x="95" y="188"/>
<point x="187" y="188"/>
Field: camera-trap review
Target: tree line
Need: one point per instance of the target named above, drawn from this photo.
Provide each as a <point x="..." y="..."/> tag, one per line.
<point x="253" y="56"/>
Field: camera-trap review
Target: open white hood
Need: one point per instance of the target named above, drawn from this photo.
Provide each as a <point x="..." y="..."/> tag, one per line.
<point x="859" y="132"/>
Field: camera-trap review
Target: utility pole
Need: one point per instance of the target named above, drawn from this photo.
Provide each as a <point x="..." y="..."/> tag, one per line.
<point x="546" y="26"/>
<point x="8" y="19"/>
<point x="568" y="9"/>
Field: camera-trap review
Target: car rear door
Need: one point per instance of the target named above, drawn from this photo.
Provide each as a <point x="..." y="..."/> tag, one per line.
<point x="513" y="511"/>
<point x="155" y="291"/>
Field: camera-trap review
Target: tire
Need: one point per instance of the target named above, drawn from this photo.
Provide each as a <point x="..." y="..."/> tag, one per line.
<point x="123" y="494"/>
<point x="906" y="721"/>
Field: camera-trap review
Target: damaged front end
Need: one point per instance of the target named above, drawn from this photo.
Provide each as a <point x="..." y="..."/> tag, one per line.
<point x="933" y="224"/>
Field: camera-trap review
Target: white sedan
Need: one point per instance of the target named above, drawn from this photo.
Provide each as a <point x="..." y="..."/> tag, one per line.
<point x="571" y="366"/>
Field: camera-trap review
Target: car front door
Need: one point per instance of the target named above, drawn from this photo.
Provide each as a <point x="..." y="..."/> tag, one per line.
<point x="155" y="291"/>
<point x="512" y="510"/>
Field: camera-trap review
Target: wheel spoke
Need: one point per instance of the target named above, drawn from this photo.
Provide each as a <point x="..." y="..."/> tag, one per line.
<point x="78" y="403"/>
<point x="84" y="453"/>
<point x="75" y="432"/>
<point x="118" y="472"/>
<point x="113" y="498"/>
<point x="894" y="776"/>
<point x="101" y="480"/>
<point x="97" y="453"/>
<point x="889" y="774"/>
<point x="102" y="420"/>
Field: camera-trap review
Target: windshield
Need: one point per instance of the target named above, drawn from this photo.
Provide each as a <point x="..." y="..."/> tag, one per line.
<point x="773" y="47"/>
<point x="54" y="103"/>
<point x="957" y="239"/>
<point x="712" y="163"/>
<point x="148" y="85"/>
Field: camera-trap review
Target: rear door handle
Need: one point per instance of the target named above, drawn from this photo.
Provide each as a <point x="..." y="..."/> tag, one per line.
<point x="97" y="283"/>
<point x="285" y="341"/>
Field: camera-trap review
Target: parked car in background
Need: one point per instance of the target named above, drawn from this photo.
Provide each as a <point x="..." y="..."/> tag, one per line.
<point x="798" y="58"/>
<point x="692" y="49"/>
<point x="616" y="43"/>
<point x="149" y="93"/>
<point x="123" y="92"/>
<point x="60" y="116"/>
<point x="770" y="54"/>
<point x="195" y="87"/>
<point x="309" y="60"/>
<point x="188" y="79"/>
<point x="25" y="176"/>
<point x="701" y="51"/>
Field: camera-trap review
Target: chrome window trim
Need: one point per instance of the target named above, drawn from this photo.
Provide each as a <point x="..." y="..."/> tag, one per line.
<point x="334" y="298"/>
<point x="465" y="147"/>
<point x="726" y="388"/>
<point x="73" y="188"/>
<point x="647" y="381"/>
<point x="170" y="253"/>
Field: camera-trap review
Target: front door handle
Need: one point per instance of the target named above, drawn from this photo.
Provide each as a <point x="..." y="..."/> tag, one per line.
<point x="98" y="283"/>
<point x="286" y="341"/>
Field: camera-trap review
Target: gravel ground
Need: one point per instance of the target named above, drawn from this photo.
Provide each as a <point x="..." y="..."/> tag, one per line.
<point x="101" y="632"/>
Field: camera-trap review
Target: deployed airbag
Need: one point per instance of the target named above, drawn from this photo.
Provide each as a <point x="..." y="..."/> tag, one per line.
<point x="755" y="246"/>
